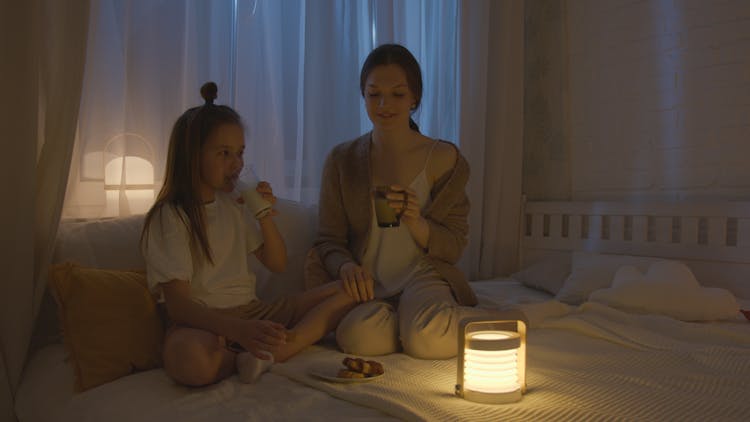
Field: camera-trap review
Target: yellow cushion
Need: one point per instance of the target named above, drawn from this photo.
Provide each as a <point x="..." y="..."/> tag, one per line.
<point x="109" y="320"/>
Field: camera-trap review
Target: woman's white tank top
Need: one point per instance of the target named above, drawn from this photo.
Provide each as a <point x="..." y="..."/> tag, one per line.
<point x="392" y="255"/>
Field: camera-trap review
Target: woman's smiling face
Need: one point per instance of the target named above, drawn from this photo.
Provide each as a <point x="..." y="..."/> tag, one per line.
<point x="388" y="99"/>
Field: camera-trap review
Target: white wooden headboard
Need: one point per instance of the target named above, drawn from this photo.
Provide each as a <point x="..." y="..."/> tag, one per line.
<point x="712" y="238"/>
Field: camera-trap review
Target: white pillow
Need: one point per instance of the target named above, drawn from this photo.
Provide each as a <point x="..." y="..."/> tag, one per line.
<point x="107" y="244"/>
<point x="668" y="288"/>
<point x="548" y="275"/>
<point x="592" y="271"/>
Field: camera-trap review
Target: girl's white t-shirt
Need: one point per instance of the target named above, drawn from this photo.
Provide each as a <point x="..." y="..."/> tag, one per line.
<point x="232" y="235"/>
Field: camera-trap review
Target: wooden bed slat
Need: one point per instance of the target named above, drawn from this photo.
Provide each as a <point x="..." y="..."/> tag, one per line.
<point x="717" y="231"/>
<point x="689" y="235"/>
<point x="555" y="226"/>
<point x="663" y="229"/>
<point x="690" y="231"/>
<point x="595" y="227"/>
<point x="712" y="239"/>
<point x="574" y="231"/>
<point x="640" y="228"/>
<point x="537" y="226"/>
<point x="743" y="233"/>
<point x="617" y="228"/>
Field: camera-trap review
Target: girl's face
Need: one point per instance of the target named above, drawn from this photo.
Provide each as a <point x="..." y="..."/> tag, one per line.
<point x="388" y="99"/>
<point x="221" y="160"/>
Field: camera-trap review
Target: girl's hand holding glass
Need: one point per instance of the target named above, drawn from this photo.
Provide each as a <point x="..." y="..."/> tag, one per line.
<point x="265" y="191"/>
<point x="258" y="197"/>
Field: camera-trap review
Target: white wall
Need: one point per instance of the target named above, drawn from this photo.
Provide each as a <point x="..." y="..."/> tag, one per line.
<point x="659" y="99"/>
<point x="546" y="152"/>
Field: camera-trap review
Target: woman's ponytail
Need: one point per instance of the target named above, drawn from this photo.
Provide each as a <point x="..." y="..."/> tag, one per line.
<point x="413" y="125"/>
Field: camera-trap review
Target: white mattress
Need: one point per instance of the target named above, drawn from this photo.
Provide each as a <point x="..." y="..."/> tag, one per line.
<point x="590" y="363"/>
<point x="593" y="363"/>
<point x="46" y="394"/>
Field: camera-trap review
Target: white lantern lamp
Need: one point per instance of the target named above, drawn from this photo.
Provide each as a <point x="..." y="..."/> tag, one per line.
<point x="128" y="175"/>
<point x="491" y="361"/>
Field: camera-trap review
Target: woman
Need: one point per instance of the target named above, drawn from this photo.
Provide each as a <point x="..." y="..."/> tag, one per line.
<point x="404" y="278"/>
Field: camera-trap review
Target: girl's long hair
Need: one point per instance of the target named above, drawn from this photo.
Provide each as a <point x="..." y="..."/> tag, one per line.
<point x="181" y="189"/>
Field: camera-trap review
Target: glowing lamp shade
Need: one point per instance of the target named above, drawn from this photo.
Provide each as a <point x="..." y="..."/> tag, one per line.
<point x="128" y="175"/>
<point x="491" y="361"/>
<point x="135" y="193"/>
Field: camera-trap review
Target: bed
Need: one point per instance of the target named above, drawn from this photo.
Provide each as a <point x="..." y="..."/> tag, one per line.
<point x="590" y="354"/>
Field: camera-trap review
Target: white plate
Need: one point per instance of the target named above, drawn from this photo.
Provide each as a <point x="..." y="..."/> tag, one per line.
<point x="333" y="378"/>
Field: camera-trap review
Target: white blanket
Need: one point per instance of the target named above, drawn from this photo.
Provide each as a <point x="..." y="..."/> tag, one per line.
<point x="590" y="362"/>
<point x="655" y="332"/>
<point x="150" y="396"/>
<point x="577" y="369"/>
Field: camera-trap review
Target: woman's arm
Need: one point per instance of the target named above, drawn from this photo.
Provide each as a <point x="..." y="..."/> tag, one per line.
<point x="448" y="221"/>
<point x="333" y="226"/>
<point x="442" y="236"/>
<point x="448" y="236"/>
<point x="253" y="335"/>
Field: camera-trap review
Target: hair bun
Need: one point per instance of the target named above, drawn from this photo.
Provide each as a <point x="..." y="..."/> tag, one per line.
<point x="208" y="92"/>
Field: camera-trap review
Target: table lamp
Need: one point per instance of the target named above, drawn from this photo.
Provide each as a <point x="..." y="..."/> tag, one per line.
<point x="491" y="361"/>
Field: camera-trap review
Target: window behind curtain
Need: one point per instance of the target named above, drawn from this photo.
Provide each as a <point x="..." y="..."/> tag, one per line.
<point x="290" y="68"/>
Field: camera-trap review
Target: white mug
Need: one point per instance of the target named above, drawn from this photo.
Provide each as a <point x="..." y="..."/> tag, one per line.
<point x="254" y="201"/>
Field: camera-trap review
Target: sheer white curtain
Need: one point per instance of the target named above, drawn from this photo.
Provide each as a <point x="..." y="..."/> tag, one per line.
<point x="290" y="68"/>
<point x="491" y="123"/>
<point x="44" y="75"/>
<point x="145" y="64"/>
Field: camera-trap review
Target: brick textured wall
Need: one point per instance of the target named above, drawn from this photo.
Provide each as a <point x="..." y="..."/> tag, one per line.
<point x="659" y="99"/>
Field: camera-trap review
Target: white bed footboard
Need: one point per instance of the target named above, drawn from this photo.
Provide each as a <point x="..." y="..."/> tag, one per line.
<point x="712" y="238"/>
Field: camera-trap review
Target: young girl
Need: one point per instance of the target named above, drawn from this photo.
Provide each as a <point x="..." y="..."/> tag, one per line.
<point x="405" y="278"/>
<point x="195" y="241"/>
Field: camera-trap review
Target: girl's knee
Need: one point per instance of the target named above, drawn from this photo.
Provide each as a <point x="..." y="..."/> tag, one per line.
<point x="191" y="361"/>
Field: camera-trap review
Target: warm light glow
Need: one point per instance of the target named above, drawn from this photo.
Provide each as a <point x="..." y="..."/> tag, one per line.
<point x="140" y="200"/>
<point x="490" y="371"/>
<point x="489" y="335"/>
<point x="136" y="195"/>
<point x="491" y="363"/>
<point x="113" y="203"/>
<point x="137" y="171"/>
